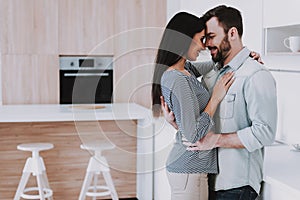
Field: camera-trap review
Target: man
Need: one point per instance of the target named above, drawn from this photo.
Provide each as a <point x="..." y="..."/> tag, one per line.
<point x="247" y="116"/>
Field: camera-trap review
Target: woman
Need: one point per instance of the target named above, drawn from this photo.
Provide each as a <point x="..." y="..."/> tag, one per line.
<point x="176" y="79"/>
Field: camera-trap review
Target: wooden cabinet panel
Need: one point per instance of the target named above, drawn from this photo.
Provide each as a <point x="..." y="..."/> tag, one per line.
<point x="138" y="30"/>
<point x="33" y="33"/>
<point x="28" y="27"/>
<point x="85" y="27"/>
<point x="66" y="163"/>
<point x="29" y="79"/>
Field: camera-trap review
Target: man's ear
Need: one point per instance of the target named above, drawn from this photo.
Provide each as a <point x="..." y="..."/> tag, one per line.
<point x="233" y="33"/>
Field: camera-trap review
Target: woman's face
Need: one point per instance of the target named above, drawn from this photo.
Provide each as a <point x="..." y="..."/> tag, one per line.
<point x="196" y="46"/>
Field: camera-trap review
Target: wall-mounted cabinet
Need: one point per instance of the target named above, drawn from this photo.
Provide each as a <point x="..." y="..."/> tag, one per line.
<point x="29" y="48"/>
<point x="86" y="27"/>
<point x="280" y="20"/>
<point x="138" y="31"/>
<point x="29" y="79"/>
<point x="280" y="13"/>
<point x="275" y="36"/>
<point x="28" y="27"/>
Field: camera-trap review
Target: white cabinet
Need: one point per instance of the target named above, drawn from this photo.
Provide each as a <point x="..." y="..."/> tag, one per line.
<point x="280" y="21"/>
<point x="281" y="173"/>
<point x="278" y="192"/>
<point x="281" y="13"/>
<point x="287" y="105"/>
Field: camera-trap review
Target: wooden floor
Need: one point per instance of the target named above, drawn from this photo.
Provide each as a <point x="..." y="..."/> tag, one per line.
<point x="66" y="163"/>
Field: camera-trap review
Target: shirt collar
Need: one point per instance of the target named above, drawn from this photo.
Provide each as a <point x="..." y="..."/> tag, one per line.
<point x="239" y="59"/>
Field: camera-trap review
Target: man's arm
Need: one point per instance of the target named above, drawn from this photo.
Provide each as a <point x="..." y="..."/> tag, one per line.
<point x="213" y="140"/>
<point x="229" y="140"/>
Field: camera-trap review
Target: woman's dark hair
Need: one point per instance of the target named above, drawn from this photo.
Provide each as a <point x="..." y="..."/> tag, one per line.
<point x="228" y="17"/>
<point x="174" y="44"/>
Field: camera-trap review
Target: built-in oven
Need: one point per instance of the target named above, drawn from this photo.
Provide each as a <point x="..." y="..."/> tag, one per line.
<point x="86" y="79"/>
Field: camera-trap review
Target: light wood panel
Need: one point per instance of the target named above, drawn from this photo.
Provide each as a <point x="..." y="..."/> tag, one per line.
<point x="138" y="30"/>
<point x="66" y="163"/>
<point x="30" y="79"/>
<point x="29" y="27"/>
<point x="33" y="33"/>
<point x="85" y="27"/>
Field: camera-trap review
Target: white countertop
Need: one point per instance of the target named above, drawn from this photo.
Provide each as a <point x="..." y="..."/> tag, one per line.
<point x="57" y="112"/>
<point x="281" y="168"/>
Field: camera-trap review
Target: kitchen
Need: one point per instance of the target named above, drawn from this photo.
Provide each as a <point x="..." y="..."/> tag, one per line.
<point x="35" y="34"/>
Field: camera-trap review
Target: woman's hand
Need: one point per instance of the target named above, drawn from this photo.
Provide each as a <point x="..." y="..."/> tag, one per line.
<point x="208" y="142"/>
<point x="256" y="56"/>
<point x="222" y="86"/>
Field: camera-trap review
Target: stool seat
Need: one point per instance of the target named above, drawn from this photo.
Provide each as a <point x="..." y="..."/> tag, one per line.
<point x="97" y="146"/>
<point x="34" y="166"/>
<point x="35" y="146"/>
<point x="97" y="165"/>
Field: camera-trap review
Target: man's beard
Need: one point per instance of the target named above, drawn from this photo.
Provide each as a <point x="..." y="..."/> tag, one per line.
<point x="222" y="53"/>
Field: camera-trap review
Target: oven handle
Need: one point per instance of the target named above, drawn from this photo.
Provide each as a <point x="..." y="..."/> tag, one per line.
<point x="85" y="74"/>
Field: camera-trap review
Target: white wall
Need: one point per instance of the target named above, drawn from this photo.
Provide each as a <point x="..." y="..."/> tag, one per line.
<point x="0" y="81"/>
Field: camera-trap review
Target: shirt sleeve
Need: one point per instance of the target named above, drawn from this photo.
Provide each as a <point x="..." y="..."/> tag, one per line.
<point x="192" y="125"/>
<point x="204" y="67"/>
<point x="260" y="96"/>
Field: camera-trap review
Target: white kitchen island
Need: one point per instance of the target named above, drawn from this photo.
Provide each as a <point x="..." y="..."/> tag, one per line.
<point x="281" y="173"/>
<point x="129" y="126"/>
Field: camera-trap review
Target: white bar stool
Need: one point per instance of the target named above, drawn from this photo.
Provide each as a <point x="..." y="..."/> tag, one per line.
<point x="97" y="165"/>
<point x="36" y="166"/>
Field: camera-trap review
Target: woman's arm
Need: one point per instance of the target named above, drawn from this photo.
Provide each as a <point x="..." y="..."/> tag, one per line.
<point x="218" y="94"/>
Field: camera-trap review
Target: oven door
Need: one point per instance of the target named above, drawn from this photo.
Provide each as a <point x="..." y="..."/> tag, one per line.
<point x="86" y="86"/>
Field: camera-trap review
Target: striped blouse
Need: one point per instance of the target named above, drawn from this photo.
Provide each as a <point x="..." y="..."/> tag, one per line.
<point x="187" y="98"/>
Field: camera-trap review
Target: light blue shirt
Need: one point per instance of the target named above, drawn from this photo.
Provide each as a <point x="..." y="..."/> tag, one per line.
<point x="250" y="109"/>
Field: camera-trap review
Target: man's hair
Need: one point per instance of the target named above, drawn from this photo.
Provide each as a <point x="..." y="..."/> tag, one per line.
<point x="228" y="17"/>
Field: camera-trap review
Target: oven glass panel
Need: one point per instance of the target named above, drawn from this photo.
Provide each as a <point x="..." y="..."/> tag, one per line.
<point x="86" y="86"/>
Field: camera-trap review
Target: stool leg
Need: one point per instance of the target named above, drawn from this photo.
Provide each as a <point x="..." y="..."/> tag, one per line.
<point x="41" y="186"/>
<point x="46" y="182"/>
<point x="86" y="184"/>
<point x="110" y="185"/>
<point x="95" y="184"/>
<point x="22" y="184"/>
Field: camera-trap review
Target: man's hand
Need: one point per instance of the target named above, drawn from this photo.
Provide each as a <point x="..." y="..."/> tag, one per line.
<point x="169" y="115"/>
<point x="208" y="142"/>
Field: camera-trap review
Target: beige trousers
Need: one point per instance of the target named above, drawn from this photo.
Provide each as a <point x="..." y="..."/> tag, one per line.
<point x="188" y="186"/>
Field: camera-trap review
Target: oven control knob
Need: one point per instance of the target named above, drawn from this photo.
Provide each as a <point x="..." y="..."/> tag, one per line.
<point x="72" y="63"/>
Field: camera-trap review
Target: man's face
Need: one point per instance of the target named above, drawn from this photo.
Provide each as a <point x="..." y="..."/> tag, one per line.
<point x="217" y="41"/>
